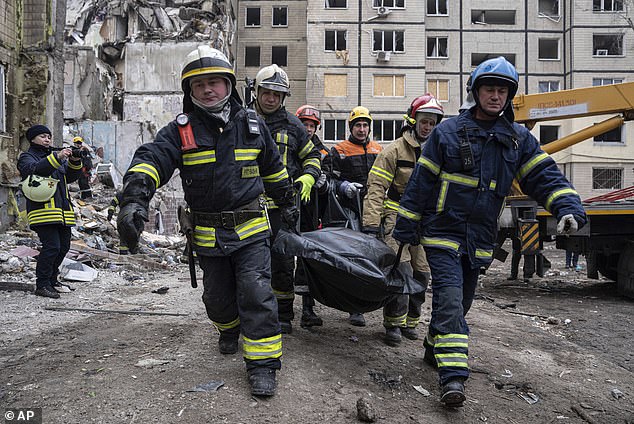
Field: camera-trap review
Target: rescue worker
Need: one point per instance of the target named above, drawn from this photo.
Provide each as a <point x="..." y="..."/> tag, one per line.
<point x="112" y="208"/>
<point x="227" y="159"/>
<point x="387" y="180"/>
<point x="311" y="118"/>
<point x="86" y="168"/>
<point x="49" y="209"/>
<point x="453" y="199"/>
<point x="352" y="160"/>
<point x="303" y="162"/>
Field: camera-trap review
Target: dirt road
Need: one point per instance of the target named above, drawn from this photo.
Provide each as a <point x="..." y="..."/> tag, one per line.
<point x="554" y="350"/>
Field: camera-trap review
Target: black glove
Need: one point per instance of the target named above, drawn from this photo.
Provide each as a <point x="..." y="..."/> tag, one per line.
<point x="110" y="214"/>
<point x="289" y="216"/>
<point x="130" y="223"/>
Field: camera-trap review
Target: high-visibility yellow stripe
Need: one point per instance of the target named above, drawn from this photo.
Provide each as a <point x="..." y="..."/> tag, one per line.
<point x="73" y="166"/>
<point x="408" y="214"/>
<point x="284" y="295"/>
<point x="382" y="173"/>
<point x="390" y="204"/>
<point x="306" y="150"/>
<point x="252" y="226"/>
<point x="198" y="158"/>
<point x="440" y="242"/>
<point x="431" y="166"/>
<point x="530" y="165"/>
<point x="270" y="347"/>
<point x="481" y="253"/>
<point x="52" y="159"/>
<point x="208" y="70"/>
<point x="312" y="162"/>
<point x="492" y="185"/>
<point x="227" y="325"/>
<point x="204" y="236"/>
<point x="147" y="169"/>
<point x="557" y="194"/>
<point x="247" y="154"/>
<point x="459" y="179"/>
<point x="442" y="196"/>
<point x="276" y="177"/>
<point x="394" y="321"/>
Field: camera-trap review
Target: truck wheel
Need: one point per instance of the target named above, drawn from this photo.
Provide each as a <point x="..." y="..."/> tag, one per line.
<point x="607" y="266"/>
<point x="591" y="265"/>
<point x="625" y="281"/>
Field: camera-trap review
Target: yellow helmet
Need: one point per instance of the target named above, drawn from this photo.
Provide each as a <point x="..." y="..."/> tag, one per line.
<point x="39" y="189"/>
<point x="78" y="139"/>
<point x="359" y="112"/>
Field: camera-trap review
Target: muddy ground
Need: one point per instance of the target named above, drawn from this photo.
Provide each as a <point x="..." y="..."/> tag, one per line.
<point x="554" y="350"/>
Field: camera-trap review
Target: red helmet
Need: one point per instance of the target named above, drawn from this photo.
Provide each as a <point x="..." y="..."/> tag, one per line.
<point x="425" y="103"/>
<point x="309" y="112"/>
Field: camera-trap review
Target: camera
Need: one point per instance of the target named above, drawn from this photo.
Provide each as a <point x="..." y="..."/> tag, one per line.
<point x="76" y="151"/>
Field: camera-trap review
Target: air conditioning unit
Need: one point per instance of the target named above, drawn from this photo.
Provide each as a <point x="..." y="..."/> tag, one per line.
<point x="601" y="52"/>
<point x="383" y="56"/>
<point x="383" y="11"/>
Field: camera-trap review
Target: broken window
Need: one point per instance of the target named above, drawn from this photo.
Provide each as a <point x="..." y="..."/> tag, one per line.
<point x="437" y="7"/>
<point x="336" y="4"/>
<point x="548" y="49"/>
<point x="252" y="56"/>
<point x="253" y="17"/>
<point x="612" y="136"/>
<point x="386" y="129"/>
<point x="548" y="86"/>
<point x="607" y="44"/>
<point x="548" y="133"/>
<point x="606" y="81"/>
<point x="388" y="41"/>
<point x="335" y="85"/>
<point x="478" y="58"/>
<point x="335" y="40"/>
<point x="389" y="86"/>
<point x="334" y="130"/>
<point x="279" y="55"/>
<point x="607" y="178"/>
<point x="389" y="3"/>
<point x="437" y="47"/>
<point x="607" y="5"/>
<point x="3" y="104"/>
<point x="280" y="16"/>
<point x="493" y="17"/>
<point x="549" y="8"/>
<point x="439" y="88"/>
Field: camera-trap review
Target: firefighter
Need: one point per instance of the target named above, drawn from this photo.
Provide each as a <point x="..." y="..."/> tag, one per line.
<point x="49" y="209"/>
<point x="112" y="208"/>
<point x="453" y="199"/>
<point x="86" y="162"/>
<point x="351" y="162"/>
<point x="303" y="162"/>
<point x="387" y="180"/>
<point x="227" y="159"/>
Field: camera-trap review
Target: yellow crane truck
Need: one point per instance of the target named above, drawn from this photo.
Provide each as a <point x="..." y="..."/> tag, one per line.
<point x="607" y="241"/>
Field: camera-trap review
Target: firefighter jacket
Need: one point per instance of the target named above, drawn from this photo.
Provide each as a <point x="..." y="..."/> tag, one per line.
<point x="388" y="178"/>
<point x="352" y="161"/>
<point x="40" y="160"/>
<point x="299" y="153"/>
<point x="222" y="179"/>
<point x="456" y="206"/>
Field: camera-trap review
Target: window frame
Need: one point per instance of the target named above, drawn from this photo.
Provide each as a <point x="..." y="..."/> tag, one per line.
<point x="436" y="91"/>
<point x="550" y="84"/>
<point x="619" y="142"/>
<point x="340" y="94"/>
<point x="603" y="10"/>
<point x="336" y="33"/>
<point x="397" y="125"/>
<point x="381" y="3"/>
<point x="437" y="8"/>
<point x="394" y="85"/>
<point x="246" y="16"/>
<point x="547" y="59"/>
<point x="595" y="48"/>
<point x="335" y="7"/>
<point x="603" y="81"/>
<point x="606" y="169"/>
<point x="394" y="40"/>
<point x="284" y="7"/>
<point x="339" y="127"/>
<point x="285" y="47"/>
<point x="437" y="47"/>
<point x="3" y="98"/>
<point x="259" y="48"/>
<point x="542" y="14"/>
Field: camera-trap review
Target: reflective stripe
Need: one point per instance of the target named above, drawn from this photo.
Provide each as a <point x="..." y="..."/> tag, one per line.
<point x="440" y="242"/>
<point x="246" y="154"/>
<point x="204" y="236"/>
<point x="252" y="226"/>
<point x="197" y="158"/>
<point x="431" y="166"/>
<point x="390" y="204"/>
<point x="228" y="325"/>
<point x="451" y="359"/>
<point x="306" y="150"/>
<point x="282" y="138"/>
<point x="481" y="253"/>
<point x="532" y="163"/>
<point x="284" y="295"/>
<point x="312" y="162"/>
<point x="276" y="177"/>
<point x="451" y="340"/>
<point x="442" y="196"/>
<point x="493" y="184"/>
<point x="394" y="321"/>
<point x="41" y="216"/>
<point x="412" y="322"/>
<point x="557" y="194"/>
<point x="52" y="159"/>
<point x="382" y="173"/>
<point x="270" y="347"/>
<point x="148" y="169"/>
<point x="460" y="179"/>
<point x="408" y="214"/>
<point x="73" y="166"/>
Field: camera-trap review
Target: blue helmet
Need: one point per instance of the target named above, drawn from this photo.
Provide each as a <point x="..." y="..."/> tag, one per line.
<point x="496" y="71"/>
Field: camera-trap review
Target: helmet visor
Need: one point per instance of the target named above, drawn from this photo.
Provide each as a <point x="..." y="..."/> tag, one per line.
<point x="310" y="112"/>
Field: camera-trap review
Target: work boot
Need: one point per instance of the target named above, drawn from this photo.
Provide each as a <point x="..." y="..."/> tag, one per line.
<point x="310" y="318"/>
<point x="287" y="327"/>
<point x="61" y="287"/>
<point x="453" y="392"/>
<point x="409" y="333"/>
<point x="262" y="381"/>
<point x="392" y="336"/>
<point x="47" y="291"/>
<point x="228" y="343"/>
<point x="357" y="319"/>
<point x="429" y="353"/>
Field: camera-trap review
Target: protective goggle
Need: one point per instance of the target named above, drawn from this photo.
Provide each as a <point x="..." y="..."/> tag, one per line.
<point x="309" y="111"/>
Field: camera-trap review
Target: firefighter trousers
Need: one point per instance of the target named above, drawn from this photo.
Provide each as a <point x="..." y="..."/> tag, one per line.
<point x="55" y="239"/>
<point x="238" y="297"/>
<point x="454" y="282"/>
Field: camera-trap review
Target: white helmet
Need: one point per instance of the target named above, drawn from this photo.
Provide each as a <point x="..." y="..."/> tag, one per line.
<point x="273" y="78"/>
<point x="39" y="189"/>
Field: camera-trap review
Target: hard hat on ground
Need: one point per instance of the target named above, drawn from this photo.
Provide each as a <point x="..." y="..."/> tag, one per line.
<point x="39" y="189"/>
